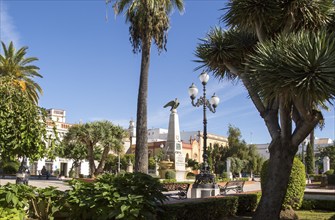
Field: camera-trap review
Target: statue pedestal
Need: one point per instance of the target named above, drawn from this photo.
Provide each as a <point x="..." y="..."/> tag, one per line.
<point x="204" y="190"/>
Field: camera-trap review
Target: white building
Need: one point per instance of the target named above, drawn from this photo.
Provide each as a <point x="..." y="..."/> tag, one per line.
<point x="57" y="118"/>
<point x="263" y="150"/>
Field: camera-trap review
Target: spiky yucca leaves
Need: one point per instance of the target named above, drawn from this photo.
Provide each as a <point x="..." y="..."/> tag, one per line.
<point x="15" y="65"/>
<point x="150" y="18"/>
<point x="306" y="14"/>
<point x="230" y="46"/>
<point x="248" y="14"/>
<point x="268" y="17"/>
<point x="300" y="65"/>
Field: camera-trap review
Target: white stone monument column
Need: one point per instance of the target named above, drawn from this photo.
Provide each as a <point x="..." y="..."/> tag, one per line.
<point x="229" y="173"/>
<point x="174" y="145"/>
<point x="326" y="164"/>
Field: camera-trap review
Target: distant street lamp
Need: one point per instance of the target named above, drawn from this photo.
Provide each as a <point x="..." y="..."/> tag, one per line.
<point x="205" y="176"/>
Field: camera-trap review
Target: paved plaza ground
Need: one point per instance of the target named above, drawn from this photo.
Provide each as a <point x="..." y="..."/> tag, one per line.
<point x="250" y="186"/>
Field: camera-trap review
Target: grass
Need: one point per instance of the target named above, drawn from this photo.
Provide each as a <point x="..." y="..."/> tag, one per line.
<point x="303" y="215"/>
<point x="315" y="214"/>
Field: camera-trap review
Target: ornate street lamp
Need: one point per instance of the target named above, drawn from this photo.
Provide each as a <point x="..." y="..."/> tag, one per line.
<point x="205" y="175"/>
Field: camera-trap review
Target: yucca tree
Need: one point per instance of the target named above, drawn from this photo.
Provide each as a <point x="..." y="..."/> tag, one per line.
<point x="14" y="65"/>
<point x="284" y="54"/>
<point x="149" y="22"/>
<point x="98" y="139"/>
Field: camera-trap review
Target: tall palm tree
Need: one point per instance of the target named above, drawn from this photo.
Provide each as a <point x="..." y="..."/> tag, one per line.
<point x="284" y="54"/>
<point x="15" y="66"/>
<point x="149" y="20"/>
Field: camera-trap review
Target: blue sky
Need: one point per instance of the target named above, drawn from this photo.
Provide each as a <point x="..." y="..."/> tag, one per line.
<point x="91" y="72"/>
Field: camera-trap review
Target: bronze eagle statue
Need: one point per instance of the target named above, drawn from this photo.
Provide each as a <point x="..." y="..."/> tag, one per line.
<point x="173" y="104"/>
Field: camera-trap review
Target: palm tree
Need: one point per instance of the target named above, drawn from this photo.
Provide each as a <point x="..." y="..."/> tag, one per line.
<point x="149" y="20"/>
<point x="284" y="54"/>
<point x="17" y="68"/>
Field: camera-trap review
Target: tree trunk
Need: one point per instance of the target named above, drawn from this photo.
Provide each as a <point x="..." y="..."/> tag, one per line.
<point x="141" y="150"/>
<point x="279" y="170"/>
<point x="311" y="140"/>
<point x="91" y="161"/>
<point x="102" y="163"/>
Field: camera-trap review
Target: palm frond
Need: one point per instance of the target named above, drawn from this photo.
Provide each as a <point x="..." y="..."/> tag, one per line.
<point x="14" y="65"/>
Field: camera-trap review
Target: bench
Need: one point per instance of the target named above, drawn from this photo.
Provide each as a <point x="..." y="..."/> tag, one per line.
<point x="236" y="186"/>
<point x="176" y="190"/>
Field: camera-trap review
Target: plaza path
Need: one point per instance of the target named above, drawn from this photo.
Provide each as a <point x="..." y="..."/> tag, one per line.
<point x="41" y="183"/>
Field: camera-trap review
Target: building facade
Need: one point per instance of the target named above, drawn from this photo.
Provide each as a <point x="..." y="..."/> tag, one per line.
<point x="59" y="166"/>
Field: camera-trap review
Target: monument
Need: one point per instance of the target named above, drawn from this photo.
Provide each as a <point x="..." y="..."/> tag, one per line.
<point x="229" y="173"/>
<point x="326" y="164"/>
<point x="174" y="146"/>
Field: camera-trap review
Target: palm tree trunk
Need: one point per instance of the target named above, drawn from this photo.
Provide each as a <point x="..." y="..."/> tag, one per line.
<point x="273" y="193"/>
<point x="141" y="150"/>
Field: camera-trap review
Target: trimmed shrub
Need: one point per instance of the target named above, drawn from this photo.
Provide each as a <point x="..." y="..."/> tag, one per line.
<point x="331" y="179"/>
<point x="310" y="204"/>
<point x="190" y="175"/>
<point x="315" y="177"/>
<point x="247" y="202"/>
<point x="170" y="174"/>
<point x="209" y="209"/>
<point x="296" y="185"/>
<point x="329" y="172"/>
<point x="168" y="181"/>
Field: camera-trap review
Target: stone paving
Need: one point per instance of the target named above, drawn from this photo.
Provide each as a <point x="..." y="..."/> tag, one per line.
<point x="41" y="183"/>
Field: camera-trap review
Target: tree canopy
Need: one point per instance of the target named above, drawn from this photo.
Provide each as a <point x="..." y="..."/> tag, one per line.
<point x="243" y="157"/>
<point x="22" y="124"/>
<point x="93" y="141"/>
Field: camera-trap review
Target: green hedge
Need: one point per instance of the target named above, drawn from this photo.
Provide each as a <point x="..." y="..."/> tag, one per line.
<point x="315" y="177"/>
<point x="247" y="202"/>
<point x="331" y="179"/>
<point x="209" y="209"/>
<point x="296" y="186"/>
<point x="309" y="204"/>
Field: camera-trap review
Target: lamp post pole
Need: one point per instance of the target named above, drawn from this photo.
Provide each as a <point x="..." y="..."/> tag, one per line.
<point x="205" y="176"/>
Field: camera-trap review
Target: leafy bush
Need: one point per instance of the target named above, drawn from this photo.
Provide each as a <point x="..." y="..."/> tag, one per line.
<point x="242" y="178"/>
<point x="315" y="177"/>
<point x="222" y="179"/>
<point x="10" y="167"/>
<point x="329" y="172"/>
<point x="47" y="202"/>
<point x="18" y="201"/>
<point x="190" y="175"/>
<point x="126" y="196"/>
<point x="14" y="199"/>
<point x="209" y="209"/>
<point x="170" y="174"/>
<point x="11" y="214"/>
<point x="310" y="204"/>
<point x="296" y="186"/>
